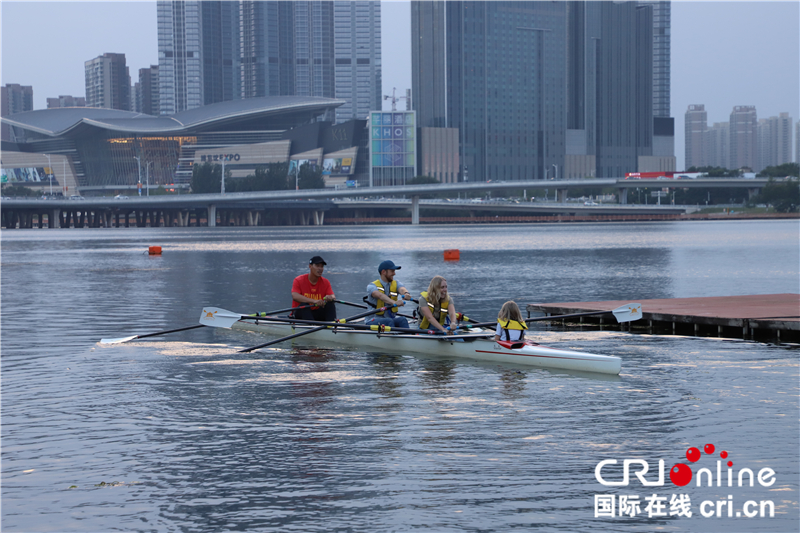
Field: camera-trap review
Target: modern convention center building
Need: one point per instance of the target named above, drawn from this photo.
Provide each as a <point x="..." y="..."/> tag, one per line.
<point x="99" y="151"/>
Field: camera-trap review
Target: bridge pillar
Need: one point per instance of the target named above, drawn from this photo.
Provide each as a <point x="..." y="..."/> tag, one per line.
<point x="623" y="195"/>
<point x="415" y="210"/>
<point x="319" y="217"/>
<point x="561" y="195"/>
<point x="753" y="192"/>
<point x="212" y="216"/>
<point x="53" y="218"/>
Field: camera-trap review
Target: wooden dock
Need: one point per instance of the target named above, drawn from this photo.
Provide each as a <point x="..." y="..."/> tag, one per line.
<point x="769" y="317"/>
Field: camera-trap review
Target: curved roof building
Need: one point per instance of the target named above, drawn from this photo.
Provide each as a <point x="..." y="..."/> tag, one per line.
<point x="103" y="144"/>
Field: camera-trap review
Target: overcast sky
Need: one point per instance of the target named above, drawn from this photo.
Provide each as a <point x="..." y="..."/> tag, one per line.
<point x="723" y="53"/>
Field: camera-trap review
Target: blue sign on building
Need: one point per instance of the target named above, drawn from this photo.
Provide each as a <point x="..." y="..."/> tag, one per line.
<point x="393" y="147"/>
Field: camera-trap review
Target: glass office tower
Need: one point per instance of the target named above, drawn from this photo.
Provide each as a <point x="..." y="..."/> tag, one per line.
<point x="357" y="55"/>
<point x="538" y="90"/>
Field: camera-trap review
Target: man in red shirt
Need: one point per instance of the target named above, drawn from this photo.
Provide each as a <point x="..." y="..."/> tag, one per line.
<point x="312" y="288"/>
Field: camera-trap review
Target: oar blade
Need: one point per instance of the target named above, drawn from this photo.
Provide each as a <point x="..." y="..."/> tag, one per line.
<point x="628" y="312"/>
<point x="218" y="318"/>
<point x="120" y="340"/>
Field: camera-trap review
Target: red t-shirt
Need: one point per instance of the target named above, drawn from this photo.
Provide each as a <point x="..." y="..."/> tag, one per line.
<point x="303" y="286"/>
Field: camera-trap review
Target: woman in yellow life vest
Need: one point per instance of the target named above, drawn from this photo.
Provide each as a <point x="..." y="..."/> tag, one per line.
<point x="510" y="326"/>
<point x="437" y="308"/>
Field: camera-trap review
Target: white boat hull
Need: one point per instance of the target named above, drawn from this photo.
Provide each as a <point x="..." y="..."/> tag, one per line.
<point x="530" y="354"/>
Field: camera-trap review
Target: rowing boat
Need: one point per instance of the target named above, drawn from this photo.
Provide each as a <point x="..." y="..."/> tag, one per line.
<point x="473" y="345"/>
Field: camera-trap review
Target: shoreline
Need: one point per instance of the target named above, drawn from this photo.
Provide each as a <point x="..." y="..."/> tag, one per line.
<point x="560" y="219"/>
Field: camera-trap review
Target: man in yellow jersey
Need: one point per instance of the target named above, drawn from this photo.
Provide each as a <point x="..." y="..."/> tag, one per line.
<point x="387" y="291"/>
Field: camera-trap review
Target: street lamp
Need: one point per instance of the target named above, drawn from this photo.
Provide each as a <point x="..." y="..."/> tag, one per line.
<point x="139" y="162"/>
<point x="50" y="173"/>
<point x="148" y="176"/>
<point x="556" y="167"/>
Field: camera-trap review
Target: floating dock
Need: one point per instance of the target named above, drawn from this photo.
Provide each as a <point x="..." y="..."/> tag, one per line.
<point x="767" y="317"/>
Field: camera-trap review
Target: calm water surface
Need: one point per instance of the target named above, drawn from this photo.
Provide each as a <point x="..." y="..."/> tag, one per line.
<point x="181" y="433"/>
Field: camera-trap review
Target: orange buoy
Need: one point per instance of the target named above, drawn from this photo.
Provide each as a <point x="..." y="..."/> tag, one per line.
<point x="155" y="250"/>
<point x="452" y="255"/>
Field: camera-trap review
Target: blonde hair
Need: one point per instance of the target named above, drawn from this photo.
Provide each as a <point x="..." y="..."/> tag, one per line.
<point x="435" y="290"/>
<point x="510" y="311"/>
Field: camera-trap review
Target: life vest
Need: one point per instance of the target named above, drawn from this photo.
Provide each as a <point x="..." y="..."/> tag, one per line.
<point x="442" y="312"/>
<point x="512" y="324"/>
<point x="392" y="294"/>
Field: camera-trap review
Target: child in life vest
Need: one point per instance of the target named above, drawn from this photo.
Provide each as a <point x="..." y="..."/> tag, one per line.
<point x="510" y="326"/>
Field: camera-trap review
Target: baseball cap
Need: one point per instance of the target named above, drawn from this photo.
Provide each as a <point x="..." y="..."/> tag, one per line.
<point x="387" y="265"/>
<point x="316" y="260"/>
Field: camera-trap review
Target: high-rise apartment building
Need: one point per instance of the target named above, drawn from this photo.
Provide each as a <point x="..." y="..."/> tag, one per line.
<point x="357" y="58"/>
<point x="774" y="141"/>
<point x="695" y="137"/>
<point x="507" y="74"/>
<point x="108" y="82"/>
<point x="146" y="93"/>
<point x="718" y="146"/>
<point x="744" y="137"/>
<point x="14" y="98"/>
<point x="66" y="100"/>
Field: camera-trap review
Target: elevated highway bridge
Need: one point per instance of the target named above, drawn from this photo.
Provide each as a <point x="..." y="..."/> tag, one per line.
<point x="309" y="206"/>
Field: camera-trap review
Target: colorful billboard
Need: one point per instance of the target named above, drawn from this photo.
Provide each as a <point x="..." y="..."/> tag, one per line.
<point x="338" y="166"/>
<point x="393" y="147"/>
<point x="29" y="174"/>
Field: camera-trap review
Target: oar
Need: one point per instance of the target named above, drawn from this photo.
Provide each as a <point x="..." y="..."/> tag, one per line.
<point x="352" y="304"/>
<point x="126" y="339"/>
<point x="312" y="330"/>
<point x="134" y="337"/>
<point x="222" y="318"/>
<point x="624" y="313"/>
<point x="265" y="313"/>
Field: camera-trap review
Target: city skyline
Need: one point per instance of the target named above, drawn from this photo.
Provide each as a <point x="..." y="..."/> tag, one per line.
<point x="732" y="71"/>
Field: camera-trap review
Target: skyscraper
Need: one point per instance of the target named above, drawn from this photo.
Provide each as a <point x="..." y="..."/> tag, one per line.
<point x="147" y="100"/>
<point x="213" y="51"/>
<point x="198" y="53"/>
<point x="267" y="60"/>
<point x="534" y="87"/>
<point x="696" y="125"/>
<point x="744" y="138"/>
<point x="180" y="66"/>
<point x="797" y="142"/>
<point x="624" y="126"/>
<point x="774" y="141"/>
<point x="108" y="82"/>
<point x="663" y="123"/>
<point x="313" y="48"/>
<point x="357" y="58"/>
<point x="718" y="145"/>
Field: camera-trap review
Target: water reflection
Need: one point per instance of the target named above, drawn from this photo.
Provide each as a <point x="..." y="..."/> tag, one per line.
<point x="309" y="438"/>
